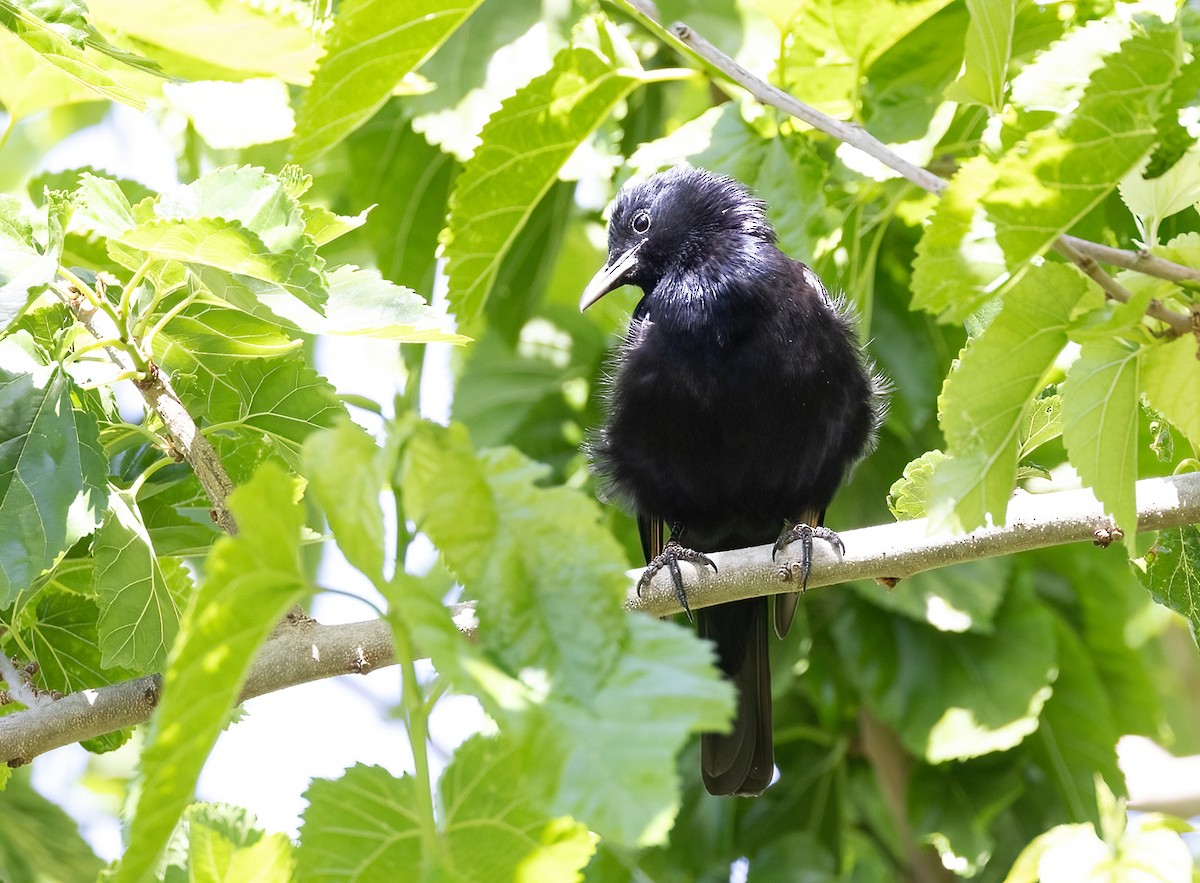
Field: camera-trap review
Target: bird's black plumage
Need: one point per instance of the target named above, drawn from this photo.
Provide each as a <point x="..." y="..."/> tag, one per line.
<point x="739" y="400"/>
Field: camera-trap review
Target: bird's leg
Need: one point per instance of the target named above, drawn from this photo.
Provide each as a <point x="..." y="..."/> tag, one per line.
<point x="804" y="533"/>
<point x="670" y="556"/>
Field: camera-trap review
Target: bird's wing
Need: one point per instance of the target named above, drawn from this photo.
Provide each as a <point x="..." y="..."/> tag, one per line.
<point x="651" y="531"/>
<point x="785" y="604"/>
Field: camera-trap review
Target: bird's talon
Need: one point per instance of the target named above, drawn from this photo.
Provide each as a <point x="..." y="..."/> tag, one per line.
<point x="804" y="534"/>
<point x="669" y="558"/>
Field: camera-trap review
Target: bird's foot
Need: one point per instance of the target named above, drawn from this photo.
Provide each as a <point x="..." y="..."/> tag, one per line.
<point x="805" y="534"/>
<point x="670" y="556"/>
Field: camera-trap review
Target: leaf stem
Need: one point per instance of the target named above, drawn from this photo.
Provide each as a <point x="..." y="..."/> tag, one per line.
<point x="416" y="712"/>
<point x="127" y="292"/>
<point x="154" y="467"/>
<point x="148" y="337"/>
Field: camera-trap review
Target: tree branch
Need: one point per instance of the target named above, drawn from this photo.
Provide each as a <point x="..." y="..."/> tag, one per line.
<point x="1083" y="253"/>
<point x="182" y="431"/>
<point x="894" y="551"/>
<point x="310" y="651"/>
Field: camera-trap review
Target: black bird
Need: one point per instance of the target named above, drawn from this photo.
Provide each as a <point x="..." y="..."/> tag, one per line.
<point x="740" y="397"/>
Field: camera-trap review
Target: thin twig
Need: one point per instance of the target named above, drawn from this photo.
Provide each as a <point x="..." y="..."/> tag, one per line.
<point x="854" y="135"/>
<point x="1178" y="322"/>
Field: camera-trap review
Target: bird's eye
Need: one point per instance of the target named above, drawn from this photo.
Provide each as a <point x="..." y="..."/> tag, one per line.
<point x="640" y="222"/>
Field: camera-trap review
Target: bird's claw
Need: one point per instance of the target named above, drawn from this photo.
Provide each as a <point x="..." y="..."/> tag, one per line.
<point x="669" y="558"/>
<point x="805" y="534"/>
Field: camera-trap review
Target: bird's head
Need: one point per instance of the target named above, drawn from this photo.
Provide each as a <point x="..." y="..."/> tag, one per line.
<point x="675" y="220"/>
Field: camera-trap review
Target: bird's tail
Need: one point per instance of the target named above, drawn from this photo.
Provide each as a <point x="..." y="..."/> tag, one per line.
<point x="742" y="761"/>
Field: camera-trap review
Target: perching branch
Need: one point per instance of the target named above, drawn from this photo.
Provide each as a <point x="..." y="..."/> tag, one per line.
<point x="1083" y="253"/>
<point x="182" y="431"/>
<point x="894" y="551"/>
<point x="311" y="651"/>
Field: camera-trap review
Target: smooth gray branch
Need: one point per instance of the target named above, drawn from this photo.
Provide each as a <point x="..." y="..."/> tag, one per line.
<point x="895" y="551"/>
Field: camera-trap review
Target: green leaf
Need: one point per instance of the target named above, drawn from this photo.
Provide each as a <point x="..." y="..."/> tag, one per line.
<point x="626" y="690"/>
<point x="237" y="219"/>
<point x="62" y="634"/>
<point x="443" y="480"/>
<point x="53" y="475"/>
<point x="280" y="399"/>
<point x="25" y="269"/>
<point x="517" y="163"/>
<point x="1172" y="574"/>
<point x="229" y="246"/>
<point x="985" y="58"/>
<point x="497" y="826"/>
<point x="103" y="206"/>
<point x="38" y="840"/>
<point x="955" y="806"/>
<point x="1100" y="413"/>
<point x="29" y="83"/>
<point x="250" y="582"/>
<point x="212" y="338"/>
<point x="324" y="226"/>
<point x="619" y="774"/>
<point x="1061" y="173"/>
<point x="1042" y="423"/>
<point x="909" y="495"/>
<point x="402" y="233"/>
<point x="983" y="402"/>
<point x="954" y="696"/>
<point x="260" y="202"/>
<point x="361" y="302"/>
<point x="372" y="46"/>
<point x="957" y="258"/>
<point x="69" y="19"/>
<point x="218" y="39"/>
<point x="860" y="30"/>
<point x="139" y="593"/>
<point x="503" y="45"/>
<point x="1170" y="376"/>
<point x="346" y="470"/>
<point x="1153" y="199"/>
<point x="214" y="858"/>
<point x="383" y="843"/>
<point x="499" y="389"/>
<point x="69" y="52"/>
<point x="1077" y="737"/>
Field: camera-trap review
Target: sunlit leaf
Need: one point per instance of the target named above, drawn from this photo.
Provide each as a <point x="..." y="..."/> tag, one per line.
<point x="985" y="59"/>
<point x="1100" y="426"/>
<point x="516" y="163"/>
<point x="984" y="398"/>
<point x="250" y="581"/>
<point x="139" y="593"/>
<point x="52" y="470"/>
<point x="373" y="44"/>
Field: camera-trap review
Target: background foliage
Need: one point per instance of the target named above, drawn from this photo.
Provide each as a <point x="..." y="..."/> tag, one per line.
<point x="336" y="173"/>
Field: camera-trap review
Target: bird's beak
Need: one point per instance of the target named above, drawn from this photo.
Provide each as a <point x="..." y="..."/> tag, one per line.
<point x="612" y="275"/>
